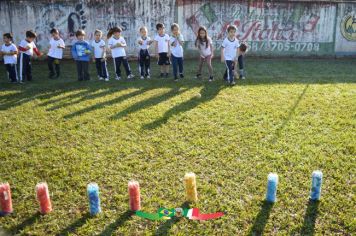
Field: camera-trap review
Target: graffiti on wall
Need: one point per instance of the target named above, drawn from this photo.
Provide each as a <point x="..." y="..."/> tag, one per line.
<point x="279" y="27"/>
<point x="348" y="27"/>
<point x="69" y="16"/>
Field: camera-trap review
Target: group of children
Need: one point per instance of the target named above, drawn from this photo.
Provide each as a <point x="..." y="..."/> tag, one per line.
<point x="169" y="50"/>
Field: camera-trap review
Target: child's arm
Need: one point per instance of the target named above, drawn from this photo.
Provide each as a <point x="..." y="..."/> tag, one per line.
<point x="169" y="49"/>
<point x="74" y="52"/>
<point x="61" y="45"/>
<point x="180" y="40"/>
<point x="37" y="52"/>
<point x="123" y="44"/>
<point x="156" y="47"/>
<point x="103" y="54"/>
<point x="222" y="54"/>
<point x="212" y="49"/>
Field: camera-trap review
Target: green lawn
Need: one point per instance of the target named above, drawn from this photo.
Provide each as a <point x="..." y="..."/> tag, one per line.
<point x="291" y="116"/>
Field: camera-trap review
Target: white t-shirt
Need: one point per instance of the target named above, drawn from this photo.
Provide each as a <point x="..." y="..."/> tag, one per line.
<point x="7" y="58"/>
<point x="230" y="48"/>
<point x="54" y="51"/>
<point x="118" y="51"/>
<point x="25" y="44"/>
<point x="162" y="42"/>
<point x="177" y="50"/>
<point x="98" y="47"/>
<point x="145" y="43"/>
<point x="203" y="49"/>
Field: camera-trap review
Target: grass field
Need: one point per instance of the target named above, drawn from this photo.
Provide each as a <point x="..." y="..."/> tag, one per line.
<point x="291" y="116"/>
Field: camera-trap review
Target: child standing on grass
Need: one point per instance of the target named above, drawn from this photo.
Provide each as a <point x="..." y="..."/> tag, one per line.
<point x="176" y="43"/>
<point x="144" y="58"/>
<point x="81" y="53"/>
<point x="229" y="51"/>
<point x="9" y="52"/>
<point x="117" y="45"/>
<point x="26" y="48"/>
<point x="99" y="56"/>
<point x="204" y="44"/>
<point x="162" y="50"/>
<point x="55" y="53"/>
<point x="241" y="59"/>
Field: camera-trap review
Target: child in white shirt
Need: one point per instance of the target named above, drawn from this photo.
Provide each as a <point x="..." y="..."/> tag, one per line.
<point x="55" y="53"/>
<point x="99" y="56"/>
<point x="26" y="49"/>
<point x="144" y="58"/>
<point x="229" y="52"/>
<point x="9" y="52"/>
<point x="162" y="49"/>
<point x="117" y="44"/>
<point x="176" y="43"/>
<point x="205" y="47"/>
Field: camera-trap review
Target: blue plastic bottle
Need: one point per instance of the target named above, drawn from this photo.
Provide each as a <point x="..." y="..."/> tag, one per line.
<point x="317" y="179"/>
<point x="94" y="200"/>
<point x="272" y="182"/>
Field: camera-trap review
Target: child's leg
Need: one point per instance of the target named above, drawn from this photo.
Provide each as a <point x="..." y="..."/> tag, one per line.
<point x="79" y="70"/>
<point x="241" y="61"/>
<point x="180" y="65"/>
<point x="141" y="62"/>
<point x="85" y="67"/>
<point x="57" y="66"/>
<point x="29" y="69"/>
<point x="11" y="70"/>
<point x="104" y="70"/>
<point x="210" y="67"/>
<point x="147" y="64"/>
<point x="230" y="71"/>
<point x="50" y="66"/>
<point x="126" y="66"/>
<point x="175" y="65"/>
<point x="117" y="66"/>
<point x="200" y="65"/>
<point x="98" y="67"/>
<point x="20" y="62"/>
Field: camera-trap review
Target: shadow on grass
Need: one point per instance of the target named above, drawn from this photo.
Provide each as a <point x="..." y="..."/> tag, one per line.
<point x="75" y="225"/>
<point x="310" y="216"/>
<point x="27" y="222"/>
<point x="261" y="219"/>
<point x="167" y="225"/>
<point x="110" y="229"/>
<point x="290" y="114"/>
<point x="149" y="102"/>
<point x="207" y="93"/>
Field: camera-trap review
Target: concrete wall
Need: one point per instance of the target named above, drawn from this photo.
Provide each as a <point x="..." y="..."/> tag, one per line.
<point x="272" y="28"/>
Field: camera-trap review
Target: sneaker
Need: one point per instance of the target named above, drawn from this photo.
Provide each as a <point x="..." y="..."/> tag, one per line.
<point x="233" y="83"/>
<point x="100" y="78"/>
<point x="243" y="77"/>
<point x="198" y="76"/>
<point x="118" y="78"/>
<point x="181" y="76"/>
<point x="106" y="79"/>
<point x="148" y="77"/>
<point x="130" y="76"/>
<point x="175" y="79"/>
<point x="211" y="78"/>
<point x="142" y="77"/>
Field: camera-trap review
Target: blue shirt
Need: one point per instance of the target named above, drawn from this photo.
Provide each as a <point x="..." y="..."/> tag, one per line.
<point x="79" y="49"/>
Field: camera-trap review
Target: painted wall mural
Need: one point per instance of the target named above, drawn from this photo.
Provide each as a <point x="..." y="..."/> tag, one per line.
<point x="69" y="16"/>
<point x="270" y="28"/>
